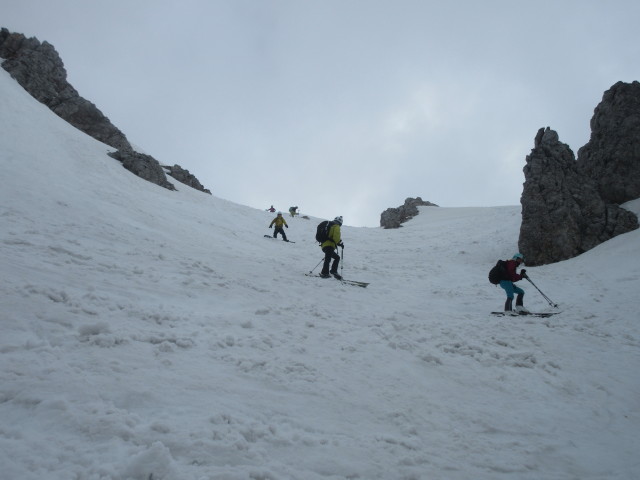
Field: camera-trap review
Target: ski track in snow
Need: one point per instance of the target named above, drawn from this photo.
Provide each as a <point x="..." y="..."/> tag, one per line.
<point x="150" y="334"/>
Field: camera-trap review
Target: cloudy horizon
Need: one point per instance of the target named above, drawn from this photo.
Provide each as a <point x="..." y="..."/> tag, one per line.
<point x="376" y="101"/>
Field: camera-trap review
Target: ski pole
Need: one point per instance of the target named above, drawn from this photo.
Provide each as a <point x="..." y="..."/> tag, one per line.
<point x="555" y="305"/>
<point x="342" y="263"/>
<point x="311" y="271"/>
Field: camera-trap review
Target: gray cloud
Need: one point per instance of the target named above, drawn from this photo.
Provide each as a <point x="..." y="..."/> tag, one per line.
<point x="343" y="107"/>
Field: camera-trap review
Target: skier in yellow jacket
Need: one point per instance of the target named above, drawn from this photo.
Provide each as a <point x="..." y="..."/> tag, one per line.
<point x="329" y="246"/>
<point x="279" y="221"/>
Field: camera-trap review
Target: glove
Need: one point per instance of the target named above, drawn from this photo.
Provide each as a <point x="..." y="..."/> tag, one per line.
<point x="341" y="245"/>
<point x="287" y="226"/>
<point x="523" y="273"/>
<point x="270" y="226"/>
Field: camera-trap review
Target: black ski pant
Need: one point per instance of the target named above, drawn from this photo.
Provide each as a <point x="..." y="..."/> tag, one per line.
<point x="330" y="253"/>
<point x="278" y="230"/>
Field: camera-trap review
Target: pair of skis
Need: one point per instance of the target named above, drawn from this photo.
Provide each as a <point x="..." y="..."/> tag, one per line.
<point x="343" y="280"/>
<point x="523" y="314"/>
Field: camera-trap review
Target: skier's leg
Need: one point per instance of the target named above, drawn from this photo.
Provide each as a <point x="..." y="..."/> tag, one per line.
<point x="519" y="300"/>
<point x="336" y="261"/>
<point x="327" y="260"/>
<point x="520" y="293"/>
<point x="507" y="285"/>
<point x="508" y="305"/>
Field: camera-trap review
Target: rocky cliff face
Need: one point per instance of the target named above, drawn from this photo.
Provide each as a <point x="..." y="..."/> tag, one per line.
<point x="37" y="67"/>
<point x="394" y="217"/>
<point x="612" y="156"/>
<point x="563" y="212"/>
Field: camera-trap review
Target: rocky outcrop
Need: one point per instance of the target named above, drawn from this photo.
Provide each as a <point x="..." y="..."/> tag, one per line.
<point x="395" y="217"/>
<point x="612" y="155"/>
<point x="563" y="213"/>
<point x="37" y="67"/>
<point x="144" y="166"/>
<point x="183" y="176"/>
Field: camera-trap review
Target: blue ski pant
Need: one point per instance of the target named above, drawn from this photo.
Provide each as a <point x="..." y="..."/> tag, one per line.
<point x="510" y="288"/>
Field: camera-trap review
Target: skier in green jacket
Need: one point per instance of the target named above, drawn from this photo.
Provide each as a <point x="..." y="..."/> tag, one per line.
<point x="329" y="246"/>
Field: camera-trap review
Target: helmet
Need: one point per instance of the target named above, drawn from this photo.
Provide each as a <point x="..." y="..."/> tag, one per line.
<point x="279" y="213"/>
<point x="338" y="220"/>
<point x="518" y="256"/>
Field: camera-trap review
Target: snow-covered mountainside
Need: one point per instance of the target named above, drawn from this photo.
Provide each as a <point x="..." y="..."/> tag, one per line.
<point x="149" y="334"/>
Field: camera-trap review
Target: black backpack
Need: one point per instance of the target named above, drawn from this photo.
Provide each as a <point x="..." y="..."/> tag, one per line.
<point x="322" y="232"/>
<point x="498" y="272"/>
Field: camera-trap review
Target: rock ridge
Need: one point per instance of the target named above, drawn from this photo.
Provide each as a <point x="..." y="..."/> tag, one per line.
<point x="395" y="217"/>
<point x="38" y="68"/>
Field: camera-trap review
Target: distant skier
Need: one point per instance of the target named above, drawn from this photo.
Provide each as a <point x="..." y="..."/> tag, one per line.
<point x="271" y="209"/>
<point x="329" y="246"/>
<point x="279" y="221"/>
<point x="293" y="211"/>
<point x="510" y="288"/>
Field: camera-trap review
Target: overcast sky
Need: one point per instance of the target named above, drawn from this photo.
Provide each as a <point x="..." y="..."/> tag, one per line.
<point x="373" y="100"/>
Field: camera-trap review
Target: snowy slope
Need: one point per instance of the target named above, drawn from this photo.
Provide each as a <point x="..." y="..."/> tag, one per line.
<point x="149" y="334"/>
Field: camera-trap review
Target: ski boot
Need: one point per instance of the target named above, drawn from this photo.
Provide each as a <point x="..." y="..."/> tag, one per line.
<point x="508" y="308"/>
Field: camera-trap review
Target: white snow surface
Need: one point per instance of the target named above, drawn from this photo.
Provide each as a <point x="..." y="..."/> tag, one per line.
<point x="157" y="335"/>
